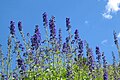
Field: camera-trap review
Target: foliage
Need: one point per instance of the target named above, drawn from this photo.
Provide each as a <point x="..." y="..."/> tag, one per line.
<point x="51" y="58"/>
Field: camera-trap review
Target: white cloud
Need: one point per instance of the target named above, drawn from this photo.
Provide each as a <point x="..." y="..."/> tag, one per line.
<point x="107" y="16"/>
<point x="111" y="7"/>
<point x="104" y="42"/>
<point x="118" y="35"/>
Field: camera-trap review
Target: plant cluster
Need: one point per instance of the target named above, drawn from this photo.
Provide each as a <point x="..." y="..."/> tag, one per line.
<point x="51" y="58"/>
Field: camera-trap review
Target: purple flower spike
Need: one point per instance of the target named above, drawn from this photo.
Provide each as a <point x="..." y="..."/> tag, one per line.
<point x="98" y="56"/>
<point x="76" y="34"/>
<point x="52" y="28"/>
<point x="20" y="62"/>
<point x="45" y="19"/>
<point x="115" y="38"/>
<point x="64" y="49"/>
<point x="91" y="62"/>
<point x="105" y="75"/>
<point x="20" y="26"/>
<point x="68" y="24"/>
<point x="36" y="38"/>
<point x="12" y="28"/>
<point x="23" y="67"/>
<point x="80" y="49"/>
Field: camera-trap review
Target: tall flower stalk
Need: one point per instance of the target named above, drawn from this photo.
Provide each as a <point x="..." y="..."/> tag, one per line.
<point x="105" y="72"/>
<point x="2" y="62"/>
<point x="118" y="47"/>
<point x="47" y="41"/>
<point x="69" y="46"/>
<point x="90" y="62"/>
<point x="22" y="34"/>
<point x="52" y="36"/>
<point x="98" y="65"/>
<point x="117" y="44"/>
<point x="114" y="67"/>
<point x="9" y="58"/>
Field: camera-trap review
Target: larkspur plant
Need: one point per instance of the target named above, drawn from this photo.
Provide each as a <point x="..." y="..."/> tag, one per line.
<point x="53" y="58"/>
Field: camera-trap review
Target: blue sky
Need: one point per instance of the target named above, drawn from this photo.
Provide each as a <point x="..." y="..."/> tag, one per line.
<point x="95" y="19"/>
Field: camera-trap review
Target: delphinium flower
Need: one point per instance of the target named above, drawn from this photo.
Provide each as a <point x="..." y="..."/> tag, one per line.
<point x="69" y="32"/>
<point x="98" y="56"/>
<point x="53" y="39"/>
<point x="67" y="48"/>
<point x="19" y="46"/>
<point x="30" y="54"/>
<point x="22" y="34"/>
<point x="118" y="47"/>
<point x="45" y="22"/>
<point x="64" y="48"/>
<point x="76" y="35"/>
<point x="105" y="72"/>
<point x="16" y="46"/>
<point x="90" y="61"/>
<point x="67" y="45"/>
<point x="58" y="46"/>
<point x="98" y="65"/>
<point x="12" y="28"/>
<point x="20" y="26"/>
<point x="114" y="67"/>
<point x="115" y="38"/>
<point x="15" y="76"/>
<point x="79" y="43"/>
<point x="29" y="39"/>
<point x="80" y="49"/>
<point x="21" y="66"/>
<point x="37" y="32"/>
<point x="68" y="29"/>
<point x="2" y="60"/>
<point x="80" y="53"/>
<point x="69" y="41"/>
<point x="60" y="39"/>
<point x="36" y="38"/>
<point x="52" y="28"/>
<point x="68" y="24"/>
<point x="69" y="38"/>
<point x="18" y="49"/>
<point x="19" y="63"/>
<point x="69" y="72"/>
<point x="64" y="51"/>
<point x="117" y="44"/>
<point x="9" y="55"/>
<point x="47" y="41"/>
<point x="37" y="61"/>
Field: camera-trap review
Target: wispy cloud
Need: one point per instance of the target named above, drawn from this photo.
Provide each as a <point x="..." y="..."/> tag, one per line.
<point x="86" y="22"/>
<point x="111" y="7"/>
<point x="104" y="42"/>
<point x="118" y="35"/>
<point x="107" y="16"/>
